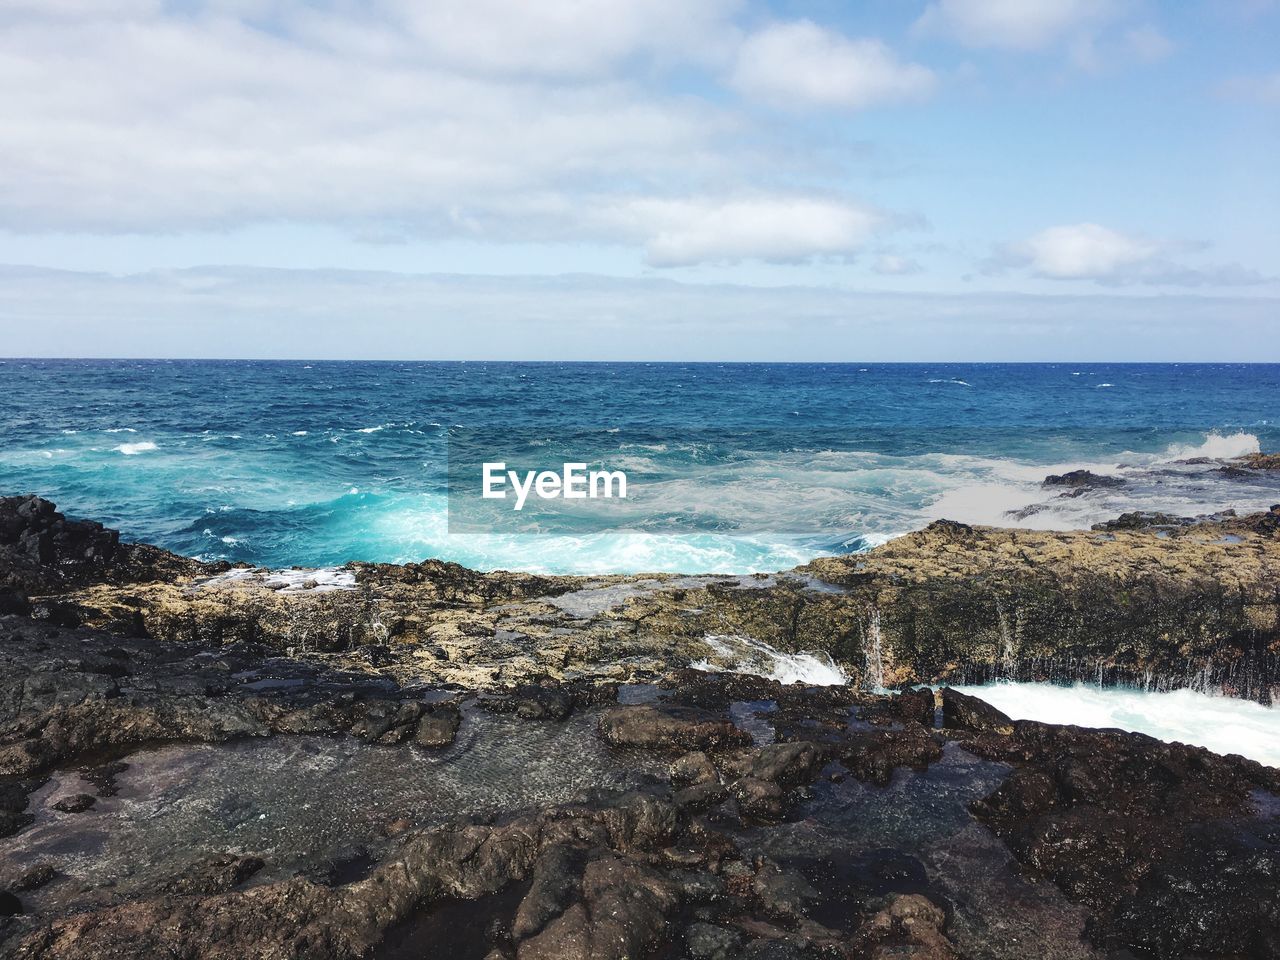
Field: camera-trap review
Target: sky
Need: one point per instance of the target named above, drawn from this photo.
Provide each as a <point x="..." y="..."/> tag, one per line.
<point x="641" y="179"/>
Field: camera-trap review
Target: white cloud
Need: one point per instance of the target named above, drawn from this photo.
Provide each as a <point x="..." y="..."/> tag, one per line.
<point x="1089" y="251"/>
<point x="780" y="228"/>
<point x="1085" y="250"/>
<point x="801" y="63"/>
<point x="495" y="120"/>
<point x="1014" y="24"/>
<point x="562" y="37"/>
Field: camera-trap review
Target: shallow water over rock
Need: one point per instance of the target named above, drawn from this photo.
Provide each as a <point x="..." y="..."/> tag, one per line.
<point x="318" y="805"/>
<point x="855" y="841"/>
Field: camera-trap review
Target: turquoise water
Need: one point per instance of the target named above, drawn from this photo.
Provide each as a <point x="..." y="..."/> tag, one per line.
<point x="764" y="465"/>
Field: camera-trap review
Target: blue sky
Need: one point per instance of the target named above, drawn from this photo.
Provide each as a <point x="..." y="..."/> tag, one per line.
<point x="978" y="153"/>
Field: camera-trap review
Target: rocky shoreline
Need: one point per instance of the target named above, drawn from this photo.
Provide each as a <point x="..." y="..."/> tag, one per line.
<point x="201" y="760"/>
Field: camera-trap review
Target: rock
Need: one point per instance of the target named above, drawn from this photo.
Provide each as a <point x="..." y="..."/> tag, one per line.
<point x="758" y="799"/>
<point x="557" y="880"/>
<point x="786" y="764"/>
<point x="10" y="905"/>
<point x="782" y="894"/>
<point x="1159" y="840"/>
<point x="216" y="874"/>
<point x="1260" y="461"/>
<point x="873" y="755"/>
<point x="909" y="927"/>
<point x="1141" y="520"/>
<point x="918" y="706"/>
<point x="546" y="701"/>
<point x="961" y="711"/>
<point x="387" y="721"/>
<point x="622" y="915"/>
<point x="35" y="877"/>
<point x="705" y="941"/>
<point x="669" y="728"/>
<point x="702" y="796"/>
<point x="693" y="768"/>
<point x="438" y="726"/>
<point x="78" y="803"/>
<point x="1082" y="479"/>
<point x="41" y="552"/>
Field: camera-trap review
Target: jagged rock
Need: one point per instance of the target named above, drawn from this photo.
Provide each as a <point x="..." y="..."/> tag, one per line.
<point x="1159" y="843"/>
<point x="1261" y="461"/>
<point x="961" y="711"/>
<point x="1159" y="840"/>
<point x="914" y="705"/>
<point x="1082" y="479"/>
<point x="216" y="874"/>
<point x="874" y="755"/>
<point x="948" y="603"/>
<point x="622" y="915"/>
<point x="41" y="551"/>
<point x="557" y="881"/>
<point x="909" y="927"/>
<point x="531" y="702"/>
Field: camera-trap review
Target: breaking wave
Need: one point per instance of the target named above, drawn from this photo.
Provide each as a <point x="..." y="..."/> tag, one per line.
<point x="732" y="653"/>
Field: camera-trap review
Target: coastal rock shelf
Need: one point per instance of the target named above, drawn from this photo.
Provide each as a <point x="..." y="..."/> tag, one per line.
<point x="1143" y="601"/>
<point x="404" y="761"/>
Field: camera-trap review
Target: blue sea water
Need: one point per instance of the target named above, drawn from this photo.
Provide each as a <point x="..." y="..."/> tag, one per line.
<point x="282" y="463"/>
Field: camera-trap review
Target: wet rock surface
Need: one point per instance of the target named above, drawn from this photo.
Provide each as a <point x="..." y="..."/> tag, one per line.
<point x="427" y="761"/>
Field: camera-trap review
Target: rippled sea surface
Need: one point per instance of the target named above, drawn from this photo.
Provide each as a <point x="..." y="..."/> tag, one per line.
<point x="767" y="465"/>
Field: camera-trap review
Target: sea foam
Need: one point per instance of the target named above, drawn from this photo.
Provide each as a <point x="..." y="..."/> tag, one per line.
<point x="1221" y="724"/>
<point x="132" y="449"/>
<point x="732" y="653"/>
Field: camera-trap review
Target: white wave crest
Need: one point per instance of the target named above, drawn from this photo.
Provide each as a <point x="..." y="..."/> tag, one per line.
<point x="132" y="449"/>
<point x="731" y="653"/>
<point x="1216" y="446"/>
<point x="293" y="580"/>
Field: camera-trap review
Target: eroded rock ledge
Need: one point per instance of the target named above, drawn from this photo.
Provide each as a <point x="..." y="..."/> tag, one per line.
<point x="722" y="815"/>
<point x="1141" y="601"/>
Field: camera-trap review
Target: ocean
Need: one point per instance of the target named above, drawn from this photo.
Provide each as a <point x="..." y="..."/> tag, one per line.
<point x="756" y="467"/>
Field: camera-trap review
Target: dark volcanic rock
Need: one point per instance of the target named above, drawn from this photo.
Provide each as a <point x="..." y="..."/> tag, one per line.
<point x="1161" y="841"/>
<point x="743" y="850"/>
<point x="669" y="728"/>
<point x="41" y="551"/>
<point x="438" y="726"/>
<point x="36" y="877"/>
<point x="1082" y="479"/>
<point x="77" y="803"/>
<point x="961" y="711"/>
<point x="216" y="874"/>
<point x="10" y="905"/>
